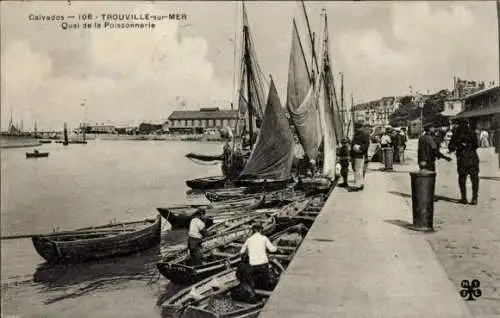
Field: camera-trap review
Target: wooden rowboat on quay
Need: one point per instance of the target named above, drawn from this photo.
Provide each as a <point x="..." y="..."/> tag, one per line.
<point x="98" y="242"/>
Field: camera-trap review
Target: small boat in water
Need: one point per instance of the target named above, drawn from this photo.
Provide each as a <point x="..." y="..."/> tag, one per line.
<point x="45" y="141"/>
<point x="36" y="154"/>
<point x="207" y="183"/>
<point x="204" y="157"/>
<point x="99" y="241"/>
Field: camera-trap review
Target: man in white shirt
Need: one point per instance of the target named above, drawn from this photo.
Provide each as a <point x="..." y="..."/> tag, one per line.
<point x="197" y="230"/>
<point x="257" y="246"/>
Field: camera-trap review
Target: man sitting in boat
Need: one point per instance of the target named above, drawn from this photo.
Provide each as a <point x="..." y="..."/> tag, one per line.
<point x="244" y="291"/>
<point x="197" y="230"/>
<point x="257" y="246"/>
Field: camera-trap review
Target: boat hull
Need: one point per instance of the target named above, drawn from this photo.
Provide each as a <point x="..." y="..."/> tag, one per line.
<point x="55" y="250"/>
<point x="207" y="183"/>
<point x="30" y="155"/>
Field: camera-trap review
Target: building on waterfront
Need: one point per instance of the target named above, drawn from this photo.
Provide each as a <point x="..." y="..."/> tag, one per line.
<point x="191" y="121"/>
<point x="100" y="129"/>
<point x="480" y="108"/>
<point x="376" y="112"/>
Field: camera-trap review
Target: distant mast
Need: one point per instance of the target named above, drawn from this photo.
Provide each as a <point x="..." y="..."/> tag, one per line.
<point x="65" y="142"/>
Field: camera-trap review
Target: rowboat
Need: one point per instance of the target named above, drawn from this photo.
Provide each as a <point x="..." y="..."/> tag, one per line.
<point x="209" y="307"/>
<point x="204" y="157"/>
<point x="315" y="185"/>
<point x="207" y="183"/>
<point x="247" y="192"/>
<point x="98" y="242"/>
<point x="178" y="269"/>
<point x="266" y="184"/>
<point x="36" y="154"/>
<point x="179" y="216"/>
<point x="199" y="295"/>
<point x="45" y="141"/>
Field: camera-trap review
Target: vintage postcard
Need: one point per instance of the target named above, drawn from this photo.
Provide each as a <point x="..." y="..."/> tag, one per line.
<point x="250" y="159"/>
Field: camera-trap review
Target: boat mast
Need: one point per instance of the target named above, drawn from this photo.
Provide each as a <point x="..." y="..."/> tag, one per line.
<point x="342" y="107"/>
<point x="248" y="67"/>
<point x="310" y="37"/>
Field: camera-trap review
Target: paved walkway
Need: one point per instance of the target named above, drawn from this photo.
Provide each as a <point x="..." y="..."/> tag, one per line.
<point x="357" y="262"/>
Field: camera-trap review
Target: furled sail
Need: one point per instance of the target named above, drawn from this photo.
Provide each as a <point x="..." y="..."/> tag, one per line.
<point x="302" y="99"/>
<point x="329" y="114"/>
<point x="272" y="156"/>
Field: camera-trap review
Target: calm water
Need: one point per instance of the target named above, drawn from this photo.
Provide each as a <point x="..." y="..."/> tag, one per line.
<point x="83" y="185"/>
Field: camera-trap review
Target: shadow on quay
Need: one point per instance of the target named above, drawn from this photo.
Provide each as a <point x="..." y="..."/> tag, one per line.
<point x="436" y="198"/>
<point x="400" y="223"/>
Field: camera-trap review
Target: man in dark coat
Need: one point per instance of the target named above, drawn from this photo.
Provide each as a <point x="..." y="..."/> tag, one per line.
<point x="465" y="143"/>
<point x="428" y="151"/>
<point x="359" y="153"/>
<point x="343" y="157"/>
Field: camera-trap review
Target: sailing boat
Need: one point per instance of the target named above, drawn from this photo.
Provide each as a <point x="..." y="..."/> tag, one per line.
<point x="316" y="119"/>
<point x="270" y="163"/>
<point x="251" y="100"/>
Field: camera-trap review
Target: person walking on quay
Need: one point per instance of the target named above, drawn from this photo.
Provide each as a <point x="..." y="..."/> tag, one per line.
<point x="484" y="138"/>
<point x="197" y="230"/>
<point x="396" y="143"/>
<point x="359" y="153"/>
<point x="428" y="151"/>
<point x="343" y="156"/>
<point x="386" y="144"/>
<point x="257" y="246"/>
<point x="464" y="143"/>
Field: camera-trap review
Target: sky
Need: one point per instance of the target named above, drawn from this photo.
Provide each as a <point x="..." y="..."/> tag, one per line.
<point x="50" y="75"/>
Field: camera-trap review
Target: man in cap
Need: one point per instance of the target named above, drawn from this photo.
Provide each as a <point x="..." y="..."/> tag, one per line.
<point x="359" y="153"/>
<point x="465" y="144"/>
<point x="343" y="157"/>
<point x="428" y="151"/>
<point x="197" y="230"/>
<point x="257" y="246"/>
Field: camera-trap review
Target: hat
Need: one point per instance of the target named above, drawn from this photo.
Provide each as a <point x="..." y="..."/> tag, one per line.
<point x="344" y="140"/>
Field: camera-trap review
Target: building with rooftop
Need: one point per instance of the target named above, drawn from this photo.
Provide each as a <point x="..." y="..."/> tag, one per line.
<point x="480" y="108"/>
<point x="377" y="112"/>
<point x="190" y="121"/>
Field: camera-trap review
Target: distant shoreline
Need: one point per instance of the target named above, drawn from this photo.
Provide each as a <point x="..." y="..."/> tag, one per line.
<point x="162" y="137"/>
<point x="18" y="142"/>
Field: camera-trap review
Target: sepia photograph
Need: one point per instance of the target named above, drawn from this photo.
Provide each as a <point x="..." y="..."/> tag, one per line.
<point x="237" y="159"/>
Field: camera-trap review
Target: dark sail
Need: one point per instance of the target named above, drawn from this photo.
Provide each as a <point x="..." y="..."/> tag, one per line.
<point x="273" y="153"/>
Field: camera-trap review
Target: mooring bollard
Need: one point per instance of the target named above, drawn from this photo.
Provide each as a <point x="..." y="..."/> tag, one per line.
<point x="422" y="197"/>
<point x="388" y="157"/>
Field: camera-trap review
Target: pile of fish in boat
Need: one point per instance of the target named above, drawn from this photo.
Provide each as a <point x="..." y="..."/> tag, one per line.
<point x="211" y="285"/>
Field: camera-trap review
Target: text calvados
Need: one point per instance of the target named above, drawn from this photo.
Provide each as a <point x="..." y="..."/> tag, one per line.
<point x="41" y="17"/>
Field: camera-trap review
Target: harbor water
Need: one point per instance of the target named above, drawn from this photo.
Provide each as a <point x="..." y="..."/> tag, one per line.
<point x="85" y="185"/>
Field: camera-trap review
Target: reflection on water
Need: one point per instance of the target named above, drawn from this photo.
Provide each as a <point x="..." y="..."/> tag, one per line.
<point x="82" y="185"/>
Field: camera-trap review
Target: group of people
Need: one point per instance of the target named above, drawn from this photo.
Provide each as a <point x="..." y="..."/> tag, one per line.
<point x="464" y="143"/>
<point x="394" y="139"/>
<point x="254" y="270"/>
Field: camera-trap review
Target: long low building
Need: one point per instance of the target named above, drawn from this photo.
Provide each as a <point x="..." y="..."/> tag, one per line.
<point x="192" y="120"/>
<point x="481" y="106"/>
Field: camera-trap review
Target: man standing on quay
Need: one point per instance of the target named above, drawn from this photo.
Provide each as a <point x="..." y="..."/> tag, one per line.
<point x="465" y="143"/>
<point x="359" y="153"/>
<point x="428" y="151"/>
